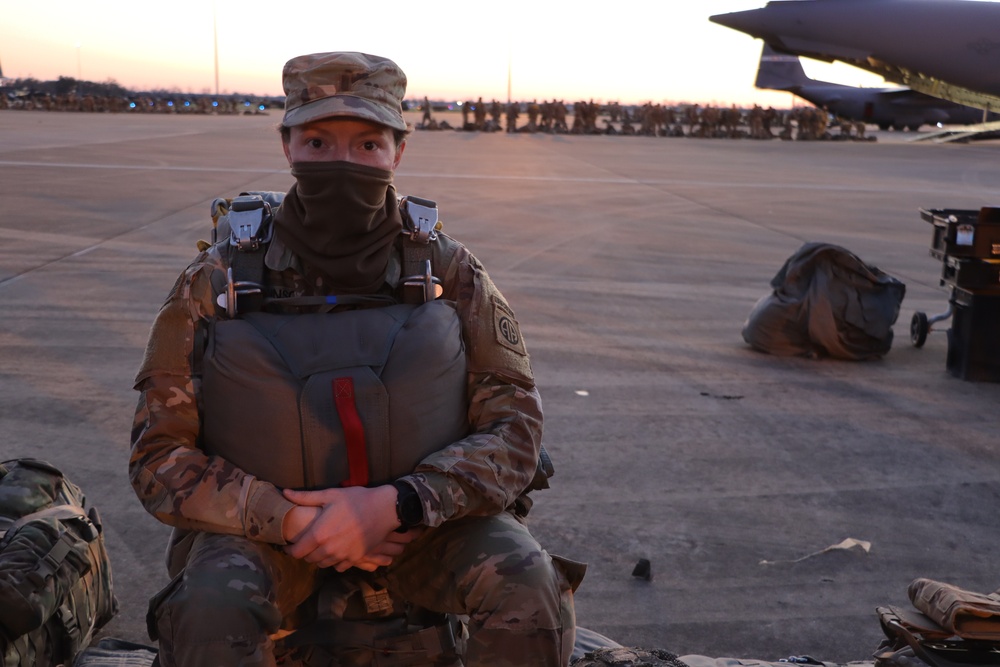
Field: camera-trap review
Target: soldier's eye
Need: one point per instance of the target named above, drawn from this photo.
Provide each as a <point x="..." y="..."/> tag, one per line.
<point x="370" y="146"/>
<point x="315" y="143"/>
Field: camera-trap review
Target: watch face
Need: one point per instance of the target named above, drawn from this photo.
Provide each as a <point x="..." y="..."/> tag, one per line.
<point x="408" y="509"/>
<point x="411" y="511"/>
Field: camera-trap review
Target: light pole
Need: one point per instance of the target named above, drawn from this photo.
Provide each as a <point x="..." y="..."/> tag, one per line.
<point x="215" y="39"/>
<point x="509" y="59"/>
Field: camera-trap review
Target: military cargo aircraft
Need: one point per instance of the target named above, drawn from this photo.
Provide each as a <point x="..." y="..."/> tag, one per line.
<point x="945" y="48"/>
<point x="897" y="108"/>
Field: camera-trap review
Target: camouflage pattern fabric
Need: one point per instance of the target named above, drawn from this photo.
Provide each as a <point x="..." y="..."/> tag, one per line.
<point x="628" y="657"/>
<point x="325" y="85"/>
<point x="519" y="603"/>
<point x="180" y="485"/>
<point x="55" y="575"/>
<point x="465" y="488"/>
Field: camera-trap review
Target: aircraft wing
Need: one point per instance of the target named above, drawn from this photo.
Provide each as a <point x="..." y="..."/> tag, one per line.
<point x="944" y="48"/>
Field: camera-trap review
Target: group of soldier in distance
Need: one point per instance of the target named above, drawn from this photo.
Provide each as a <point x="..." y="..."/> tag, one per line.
<point x="69" y="94"/>
<point x="551" y="117"/>
<point x="651" y="120"/>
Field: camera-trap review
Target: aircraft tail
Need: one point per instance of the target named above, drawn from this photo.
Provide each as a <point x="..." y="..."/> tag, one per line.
<point x="779" y="71"/>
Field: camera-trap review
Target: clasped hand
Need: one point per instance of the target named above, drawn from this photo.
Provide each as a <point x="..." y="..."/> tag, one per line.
<point x="345" y="527"/>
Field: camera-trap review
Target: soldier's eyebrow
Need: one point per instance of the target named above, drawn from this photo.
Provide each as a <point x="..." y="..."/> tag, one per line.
<point x="371" y="132"/>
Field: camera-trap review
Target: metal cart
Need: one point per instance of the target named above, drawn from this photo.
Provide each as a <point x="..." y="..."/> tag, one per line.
<point x="968" y="244"/>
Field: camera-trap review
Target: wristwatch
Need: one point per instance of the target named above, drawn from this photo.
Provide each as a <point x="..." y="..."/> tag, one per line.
<point x="409" y="511"/>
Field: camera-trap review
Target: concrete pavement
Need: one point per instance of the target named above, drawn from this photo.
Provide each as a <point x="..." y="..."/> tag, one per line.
<point x="631" y="263"/>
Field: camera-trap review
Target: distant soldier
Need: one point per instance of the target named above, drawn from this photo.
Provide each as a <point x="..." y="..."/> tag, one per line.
<point x="559" y="116"/>
<point x="578" y="112"/>
<point x="691" y="115"/>
<point x="480" y="114"/>
<point x="496" y="111"/>
<point x="770" y="117"/>
<point x="710" y="121"/>
<point x="822" y="121"/>
<point x="646" y="127"/>
<point x="533" y="111"/>
<point x="732" y="120"/>
<point x="786" y="127"/>
<point x="846" y="127"/>
<point x="513" y="112"/>
<point x="614" y="111"/>
<point x="804" y="124"/>
<point x="546" y="116"/>
<point x="756" y="122"/>
<point x="466" y="107"/>
<point x="427" y="119"/>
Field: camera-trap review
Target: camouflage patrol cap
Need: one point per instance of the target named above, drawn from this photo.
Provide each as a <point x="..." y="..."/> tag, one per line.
<point x="345" y="83"/>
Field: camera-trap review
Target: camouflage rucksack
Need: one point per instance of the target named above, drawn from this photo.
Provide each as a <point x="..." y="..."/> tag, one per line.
<point x="55" y="577"/>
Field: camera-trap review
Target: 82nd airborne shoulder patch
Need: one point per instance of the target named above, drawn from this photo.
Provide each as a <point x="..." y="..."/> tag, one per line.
<point x="508" y="334"/>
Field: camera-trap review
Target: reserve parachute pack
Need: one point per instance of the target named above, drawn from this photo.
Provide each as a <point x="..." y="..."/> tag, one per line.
<point x="245" y="224"/>
<point x="55" y="575"/>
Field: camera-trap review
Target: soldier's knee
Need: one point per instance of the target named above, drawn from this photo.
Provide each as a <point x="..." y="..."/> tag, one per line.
<point x="208" y="625"/>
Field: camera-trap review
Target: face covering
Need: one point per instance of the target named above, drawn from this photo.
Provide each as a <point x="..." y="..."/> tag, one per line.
<point x="341" y="219"/>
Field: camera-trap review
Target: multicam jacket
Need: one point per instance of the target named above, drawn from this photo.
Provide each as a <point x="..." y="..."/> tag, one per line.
<point x="481" y="474"/>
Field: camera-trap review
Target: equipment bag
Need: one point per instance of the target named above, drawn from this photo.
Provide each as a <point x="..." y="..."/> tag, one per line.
<point x="55" y="576"/>
<point x="826" y="303"/>
<point x="913" y="638"/>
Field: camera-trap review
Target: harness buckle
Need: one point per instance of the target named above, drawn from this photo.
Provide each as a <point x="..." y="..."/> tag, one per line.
<point x="236" y="289"/>
<point x="426" y="286"/>
<point x="423" y="216"/>
<point x="249" y="216"/>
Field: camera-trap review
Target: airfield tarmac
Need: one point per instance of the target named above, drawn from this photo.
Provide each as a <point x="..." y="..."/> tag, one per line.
<point x="631" y="263"/>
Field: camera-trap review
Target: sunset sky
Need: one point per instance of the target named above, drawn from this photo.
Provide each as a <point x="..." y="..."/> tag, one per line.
<point x="632" y="52"/>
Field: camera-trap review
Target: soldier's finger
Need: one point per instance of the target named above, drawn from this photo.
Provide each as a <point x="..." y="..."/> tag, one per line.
<point x="310" y="498"/>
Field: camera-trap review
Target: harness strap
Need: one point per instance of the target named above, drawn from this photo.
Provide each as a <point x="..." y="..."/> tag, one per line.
<point x="248" y="268"/>
<point x="354" y="431"/>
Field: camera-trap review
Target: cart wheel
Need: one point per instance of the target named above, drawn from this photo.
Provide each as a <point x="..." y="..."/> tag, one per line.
<point x="918" y="329"/>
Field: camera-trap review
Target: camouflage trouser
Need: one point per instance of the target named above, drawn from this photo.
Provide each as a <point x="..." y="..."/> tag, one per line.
<point x="233" y="593"/>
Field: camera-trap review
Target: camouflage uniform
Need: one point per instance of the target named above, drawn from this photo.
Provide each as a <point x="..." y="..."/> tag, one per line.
<point x="228" y="521"/>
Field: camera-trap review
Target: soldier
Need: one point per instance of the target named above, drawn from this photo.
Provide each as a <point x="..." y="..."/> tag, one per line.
<point x="266" y="438"/>
<point x="546" y="115"/>
<point x="614" y="111"/>
<point x="821" y="118"/>
<point x="466" y="108"/>
<point x="579" y="117"/>
<point x="533" y="111"/>
<point x="786" y="126"/>
<point x="559" y="112"/>
<point x="732" y="118"/>
<point x="427" y="118"/>
<point x="692" y="117"/>
<point x="513" y="112"/>
<point x="757" y="122"/>
<point x="646" y="123"/>
<point x="479" y="114"/>
<point x="770" y="117"/>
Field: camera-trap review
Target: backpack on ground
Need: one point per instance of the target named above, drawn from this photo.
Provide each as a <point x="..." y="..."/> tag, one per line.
<point x="949" y="627"/>
<point x="55" y="575"/>
<point x="826" y="302"/>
